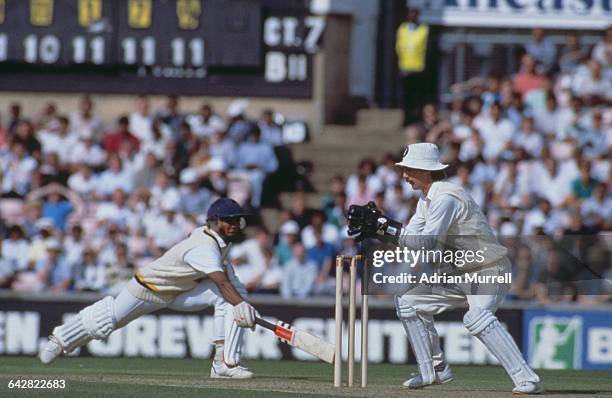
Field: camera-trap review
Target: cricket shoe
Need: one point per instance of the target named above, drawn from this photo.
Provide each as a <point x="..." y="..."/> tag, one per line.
<point x="444" y="374"/>
<point x="50" y="351"/>
<point x="220" y="370"/>
<point x="528" y="388"/>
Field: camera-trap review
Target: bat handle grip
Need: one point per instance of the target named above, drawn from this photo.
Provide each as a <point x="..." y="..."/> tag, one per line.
<point x="263" y="323"/>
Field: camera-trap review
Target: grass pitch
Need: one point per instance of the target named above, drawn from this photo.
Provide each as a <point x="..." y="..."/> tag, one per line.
<point x="151" y="378"/>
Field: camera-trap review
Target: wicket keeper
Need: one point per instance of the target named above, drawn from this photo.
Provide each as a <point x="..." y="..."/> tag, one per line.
<point x="445" y="212"/>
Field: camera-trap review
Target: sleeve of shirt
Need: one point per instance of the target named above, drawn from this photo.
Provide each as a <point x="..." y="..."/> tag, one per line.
<point x="204" y="258"/>
<point x="442" y="213"/>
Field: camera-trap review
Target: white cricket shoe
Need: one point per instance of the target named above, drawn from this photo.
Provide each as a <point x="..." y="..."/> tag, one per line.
<point x="444" y="374"/>
<point x="220" y="370"/>
<point x="528" y="387"/>
<point x="50" y="351"/>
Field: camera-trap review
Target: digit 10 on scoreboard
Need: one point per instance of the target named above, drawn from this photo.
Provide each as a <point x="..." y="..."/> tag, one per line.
<point x="248" y="47"/>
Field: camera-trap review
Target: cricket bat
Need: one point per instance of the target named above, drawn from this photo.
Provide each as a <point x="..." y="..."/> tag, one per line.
<point x="298" y="338"/>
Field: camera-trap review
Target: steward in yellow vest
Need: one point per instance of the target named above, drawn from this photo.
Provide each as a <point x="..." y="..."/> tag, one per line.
<point x="411" y="47"/>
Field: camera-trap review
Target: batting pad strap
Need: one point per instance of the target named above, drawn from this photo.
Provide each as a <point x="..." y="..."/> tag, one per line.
<point x="485" y="326"/>
<point x="98" y="318"/>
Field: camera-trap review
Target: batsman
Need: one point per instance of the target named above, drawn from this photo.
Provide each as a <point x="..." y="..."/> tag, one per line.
<point x="190" y="276"/>
<point x="445" y="215"/>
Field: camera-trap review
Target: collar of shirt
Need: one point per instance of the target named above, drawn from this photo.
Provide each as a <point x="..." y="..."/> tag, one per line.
<point x="217" y="237"/>
<point x="431" y="193"/>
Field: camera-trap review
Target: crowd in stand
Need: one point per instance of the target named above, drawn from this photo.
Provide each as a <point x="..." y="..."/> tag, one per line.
<point x="83" y="205"/>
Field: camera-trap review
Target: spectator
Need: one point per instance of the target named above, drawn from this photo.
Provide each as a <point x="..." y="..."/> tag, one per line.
<point x="25" y="135"/>
<point x="89" y="274"/>
<point x="17" y="168"/>
<point x="171" y="115"/>
<point x="299" y="275"/>
<point x="84" y="123"/>
<point x="120" y="271"/>
<point x="83" y="181"/>
<point x="195" y="199"/>
<point x="87" y="151"/>
<point x="529" y="139"/>
<point x="61" y="141"/>
<point x="289" y="235"/>
<point x="238" y="126"/>
<point x="572" y="54"/>
<point x="58" y="203"/>
<point x="597" y="209"/>
<point x="249" y="260"/>
<point x="330" y="232"/>
<point x="271" y="133"/>
<point x="542" y="49"/>
<point x="115" y="141"/>
<point x="495" y="130"/>
<point x="322" y="253"/>
<point x="115" y="177"/>
<point x="411" y="49"/>
<point x="141" y="121"/>
<point x="591" y="85"/>
<point x="602" y="52"/>
<point x="584" y="185"/>
<point x="257" y="160"/>
<point x="53" y="271"/>
<point x="15" y="248"/>
<point x="74" y="245"/>
<point x="207" y="123"/>
<point x="528" y="79"/>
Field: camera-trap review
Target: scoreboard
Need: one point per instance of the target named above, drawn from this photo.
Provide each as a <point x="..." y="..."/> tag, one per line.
<point x="187" y="47"/>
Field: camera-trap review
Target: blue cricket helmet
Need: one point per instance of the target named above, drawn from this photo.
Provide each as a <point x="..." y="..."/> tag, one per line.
<point x="225" y="208"/>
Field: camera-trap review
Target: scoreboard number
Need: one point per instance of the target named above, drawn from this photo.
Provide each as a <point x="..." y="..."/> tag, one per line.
<point x="90" y="11"/>
<point x="188" y="14"/>
<point x="139" y="14"/>
<point x="41" y="12"/>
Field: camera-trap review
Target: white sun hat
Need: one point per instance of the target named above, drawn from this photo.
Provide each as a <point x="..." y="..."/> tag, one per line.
<point x="422" y="156"/>
<point x="237" y="107"/>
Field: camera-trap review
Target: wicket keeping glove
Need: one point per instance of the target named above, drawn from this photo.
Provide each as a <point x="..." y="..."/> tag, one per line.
<point x="368" y="222"/>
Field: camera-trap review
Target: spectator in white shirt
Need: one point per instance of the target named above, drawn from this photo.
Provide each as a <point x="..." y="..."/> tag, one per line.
<point x="495" y="130"/>
<point x="299" y="275"/>
<point x="591" y="85"/>
<point x="168" y="228"/>
<point x="546" y="119"/>
<point x="206" y="123"/>
<point x="509" y="190"/>
<point x="543" y="216"/>
<point x="87" y="151"/>
<point x="113" y="178"/>
<point x="17" y="168"/>
<point x="62" y="142"/>
<point x="141" y="121"/>
<point x="74" y="245"/>
<point x="330" y="233"/>
<point x="15" y="248"/>
<point x="602" y="52"/>
<point x="597" y="209"/>
<point x="83" y="181"/>
<point x="84" y="122"/>
<point x="528" y="138"/>
<point x="163" y="190"/>
<point x="115" y="211"/>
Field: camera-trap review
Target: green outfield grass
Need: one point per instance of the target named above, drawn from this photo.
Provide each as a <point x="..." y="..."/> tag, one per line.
<point x="150" y="378"/>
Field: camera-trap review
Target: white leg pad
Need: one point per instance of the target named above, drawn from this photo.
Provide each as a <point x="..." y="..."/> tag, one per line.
<point x="419" y="340"/>
<point x="93" y="322"/>
<point x="485" y="327"/>
<point x="232" y="351"/>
